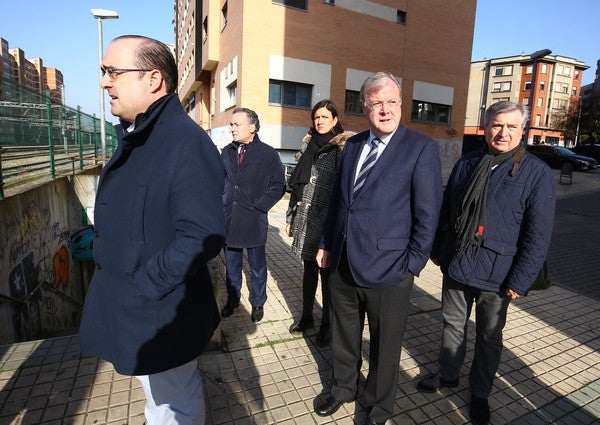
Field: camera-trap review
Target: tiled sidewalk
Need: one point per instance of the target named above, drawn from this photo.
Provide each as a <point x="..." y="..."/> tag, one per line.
<point x="550" y="371"/>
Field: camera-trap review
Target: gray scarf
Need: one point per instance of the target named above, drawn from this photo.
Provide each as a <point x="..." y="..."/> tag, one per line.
<point x="470" y="224"/>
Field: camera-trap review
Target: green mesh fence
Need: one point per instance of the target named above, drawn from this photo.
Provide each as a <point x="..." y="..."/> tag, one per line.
<point x="40" y="138"/>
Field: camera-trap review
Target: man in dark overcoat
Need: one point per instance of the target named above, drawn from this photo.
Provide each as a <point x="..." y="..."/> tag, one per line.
<point x="150" y="309"/>
<point x="254" y="182"/>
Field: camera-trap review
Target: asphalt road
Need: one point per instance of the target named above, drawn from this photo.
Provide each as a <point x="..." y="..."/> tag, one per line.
<point x="574" y="261"/>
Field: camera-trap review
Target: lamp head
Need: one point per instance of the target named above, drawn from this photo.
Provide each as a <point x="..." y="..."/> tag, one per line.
<point x="104" y="14"/>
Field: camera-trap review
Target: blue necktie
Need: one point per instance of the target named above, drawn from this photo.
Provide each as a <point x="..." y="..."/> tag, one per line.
<point x="367" y="165"/>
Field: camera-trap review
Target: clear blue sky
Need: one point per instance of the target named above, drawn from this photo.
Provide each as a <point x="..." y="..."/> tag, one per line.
<point x="64" y="34"/>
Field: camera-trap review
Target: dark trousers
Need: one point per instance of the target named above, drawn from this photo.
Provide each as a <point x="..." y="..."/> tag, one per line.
<point x="310" y="281"/>
<point x="257" y="260"/>
<point x="386" y="310"/>
<point x="490" y="318"/>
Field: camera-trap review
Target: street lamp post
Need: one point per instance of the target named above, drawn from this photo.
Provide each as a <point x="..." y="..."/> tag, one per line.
<point x="101" y="14"/>
<point x="535" y="56"/>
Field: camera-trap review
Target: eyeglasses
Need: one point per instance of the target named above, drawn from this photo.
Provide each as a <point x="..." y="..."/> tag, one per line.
<point x="115" y="72"/>
<point x="378" y="106"/>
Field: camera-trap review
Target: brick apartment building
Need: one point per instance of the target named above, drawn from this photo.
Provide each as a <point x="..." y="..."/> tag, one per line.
<point x="16" y="69"/>
<point x="555" y="88"/>
<point x="280" y="57"/>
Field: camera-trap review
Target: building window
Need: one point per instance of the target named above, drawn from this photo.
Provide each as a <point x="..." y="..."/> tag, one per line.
<point x="560" y="104"/>
<point x="502" y="86"/>
<point x="540" y="102"/>
<point x="504" y="70"/>
<point x="352" y="104"/>
<point x="430" y="112"/>
<point x="574" y="92"/>
<point x="231" y="99"/>
<point x="542" y="86"/>
<point x="400" y="17"/>
<point x="288" y="93"/>
<point x="329" y="1"/>
<point x="298" y="4"/>
<point x="224" y="16"/>
<point x="562" y="88"/>
<point x="544" y="68"/>
<point x="204" y="29"/>
<point x="190" y="106"/>
<point x="527" y="85"/>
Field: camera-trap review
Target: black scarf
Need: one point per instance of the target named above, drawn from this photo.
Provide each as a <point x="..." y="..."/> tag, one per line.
<point x="470" y="224"/>
<point x="301" y="174"/>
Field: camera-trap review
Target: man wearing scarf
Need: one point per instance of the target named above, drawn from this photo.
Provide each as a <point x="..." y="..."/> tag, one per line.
<point x="491" y="242"/>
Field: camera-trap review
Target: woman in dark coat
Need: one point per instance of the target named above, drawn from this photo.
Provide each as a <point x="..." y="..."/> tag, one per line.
<point x="311" y="184"/>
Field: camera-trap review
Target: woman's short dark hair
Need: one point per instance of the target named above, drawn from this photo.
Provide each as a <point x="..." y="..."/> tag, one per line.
<point x="153" y="54"/>
<point x="330" y="106"/>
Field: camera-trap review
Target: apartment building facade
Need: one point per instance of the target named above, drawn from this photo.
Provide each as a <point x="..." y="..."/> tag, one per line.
<point x="550" y="92"/>
<point x="280" y="57"/>
<point x="17" y="71"/>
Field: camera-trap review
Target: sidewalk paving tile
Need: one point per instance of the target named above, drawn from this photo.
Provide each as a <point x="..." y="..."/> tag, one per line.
<point x="550" y="369"/>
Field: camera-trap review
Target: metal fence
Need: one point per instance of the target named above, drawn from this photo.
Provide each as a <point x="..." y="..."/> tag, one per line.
<point x="41" y="139"/>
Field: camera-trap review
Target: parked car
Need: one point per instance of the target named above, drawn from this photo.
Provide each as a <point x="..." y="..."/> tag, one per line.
<point x="556" y="156"/>
<point x="591" y="150"/>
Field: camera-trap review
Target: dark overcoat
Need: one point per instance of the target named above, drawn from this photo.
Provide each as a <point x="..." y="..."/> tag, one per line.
<point x="251" y="190"/>
<point x="388" y="227"/>
<point x="158" y="220"/>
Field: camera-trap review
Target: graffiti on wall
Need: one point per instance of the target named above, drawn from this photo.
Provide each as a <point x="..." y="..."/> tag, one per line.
<point x="36" y="268"/>
<point x="449" y="149"/>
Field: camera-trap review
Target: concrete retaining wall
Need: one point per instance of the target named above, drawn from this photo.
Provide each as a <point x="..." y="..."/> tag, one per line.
<point x="41" y="286"/>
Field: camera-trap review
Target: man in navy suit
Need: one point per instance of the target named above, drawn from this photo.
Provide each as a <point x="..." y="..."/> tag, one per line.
<point x="379" y="231"/>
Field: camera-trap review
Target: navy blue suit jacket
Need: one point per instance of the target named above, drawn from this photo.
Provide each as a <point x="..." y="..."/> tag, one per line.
<point x="388" y="228"/>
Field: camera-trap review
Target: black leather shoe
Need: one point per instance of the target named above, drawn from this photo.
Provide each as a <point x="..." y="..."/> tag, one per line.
<point x="257" y="314"/>
<point x="323" y="337"/>
<point x="480" y="411"/>
<point x="302" y="325"/>
<point x="326" y="404"/>
<point x="229" y="307"/>
<point x="434" y="382"/>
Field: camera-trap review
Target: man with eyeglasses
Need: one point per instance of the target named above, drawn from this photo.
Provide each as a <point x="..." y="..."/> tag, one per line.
<point x="379" y="230"/>
<point x="150" y="308"/>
